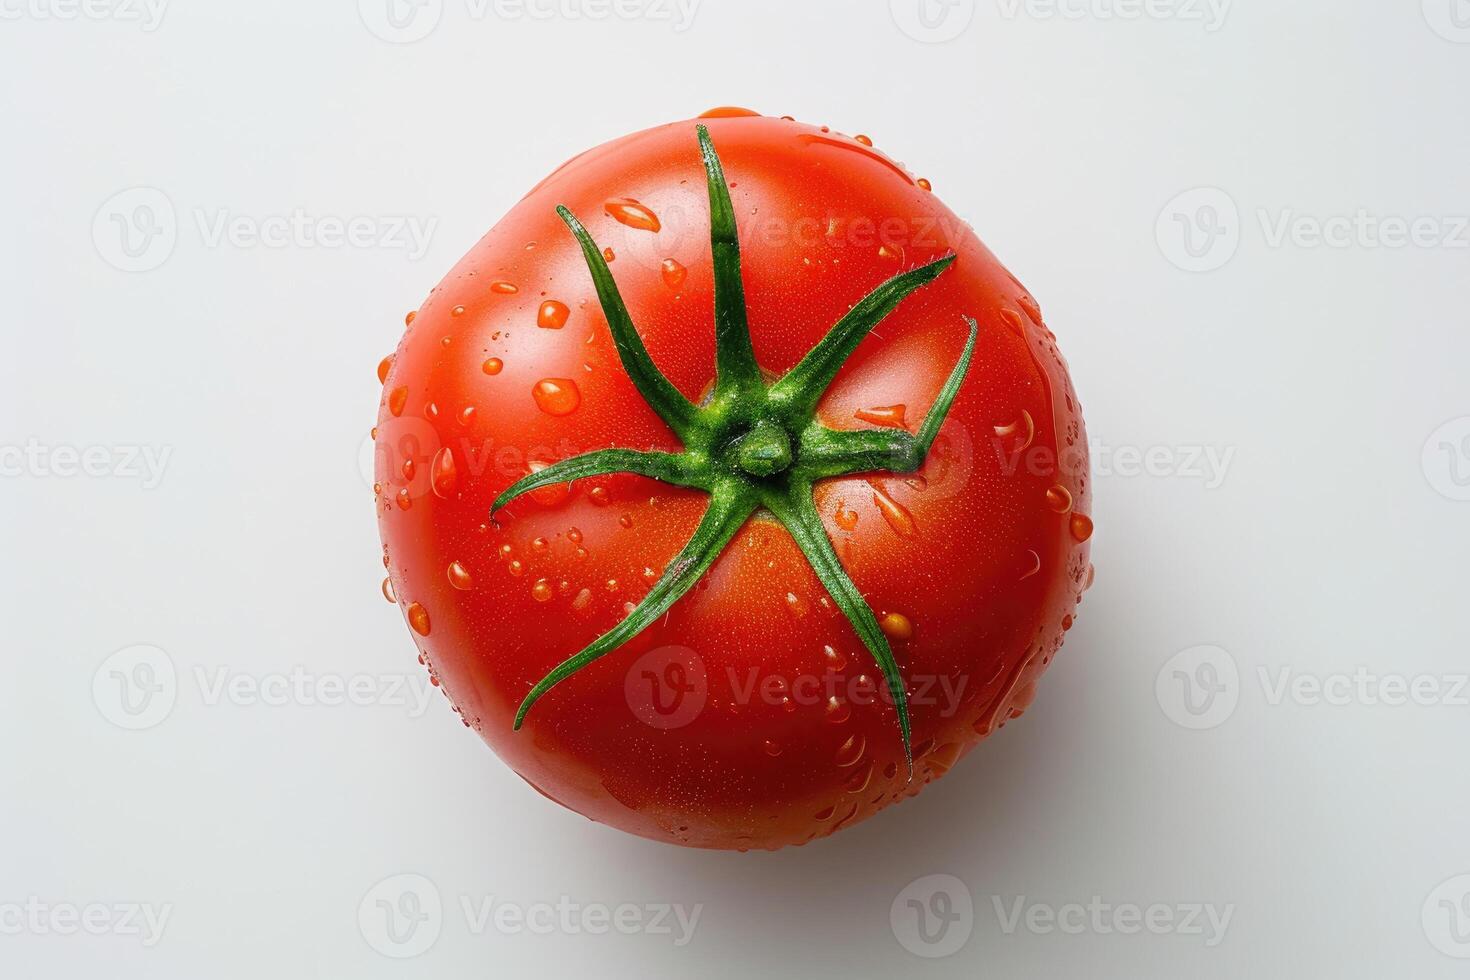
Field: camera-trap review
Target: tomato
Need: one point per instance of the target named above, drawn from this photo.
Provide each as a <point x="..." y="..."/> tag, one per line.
<point x="740" y="498"/>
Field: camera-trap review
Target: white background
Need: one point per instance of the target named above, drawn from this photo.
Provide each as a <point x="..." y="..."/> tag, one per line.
<point x="1334" y="835"/>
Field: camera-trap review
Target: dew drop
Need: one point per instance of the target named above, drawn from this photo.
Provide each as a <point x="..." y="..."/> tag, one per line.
<point x="897" y="626"/>
<point x="541" y="591"/>
<point x="388" y="591"/>
<point x="895" y="513"/>
<point x="459" y="577"/>
<point x="727" y="112"/>
<point x="1033" y="565"/>
<point x="384" y="366"/>
<point x="627" y="211"/>
<point x="552" y="315"/>
<point x="457" y="311"/>
<point x="1081" y="527"/>
<point x="501" y="286"/>
<point x="924" y="184"/>
<point x="796" y="605"/>
<point x="833" y="656"/>
<point x="850" y="752"/>
<point x="608" y="254"/>
<point x="772" y="748"/>
<point x="418" y="618"/>
<point x="404" y="500"/>
<point x="865" y="140"/>
<point x="1059" y="499"/>
<point x="1024" y="428"/>
<point x="409" y="468"/>
<point x="673" y="273"/>
<point x="557" y="396"/>
<point x="408" y="317"/>
<point x="888" y="416"/>
<point x="492" y="365"/>
<point x="846" y="519"/>
<point x="837" y="710"/>
<point x="397" y="398"/>
<point x="443" y="475"/>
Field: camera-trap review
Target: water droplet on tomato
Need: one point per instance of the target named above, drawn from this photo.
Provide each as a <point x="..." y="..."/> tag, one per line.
<point x="501" y="286"/>
<point x="627" y="211"/>
<point x="860" y="777"/>
<point x="727" y="112"/>
<point x="541" y="590"/>
<point x="459" y="577"/>
<point x="837" y="710"/>
<point x="773" y="749"/>
<point x="673" y="273"/>
<point x="388" y="591"/>
<point x="408" y="317"/>
<point x="384" y="366"/>
<point x="850" y="752"/>
<point x="895" y="513"/>
<point x="1059" y="498"/>
<point x="552" y="315"/>
<point x="865" y="140"/>
<point x="888" y="416"/>
<point x="833" y="656"/>
<point x="397" y="398"/>
<point x="1033" y="565"/>
<point x="443" y="474"/>
<point x="457" y="311"/>
<point x="1013" y="320"/>
<point x="1081" y="527"/>
<point x="608" y="255"/>
<point x="409" y="468"/>
<point x="557" y="396"/>
<point x="404" y="500"/>
<point x="418" y="618"/>
<point x="924" y="184"/>
<point x="796" y="605"/>
<point x="1032" y="310"/>
<point x="846" y="519"/>
<point x="1023" y="429"/>
<point x="897" y="626"/>
<point x="492" y="365"/>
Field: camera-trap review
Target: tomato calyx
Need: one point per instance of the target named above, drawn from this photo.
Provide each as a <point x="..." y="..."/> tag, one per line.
<point x="753" y="444"/>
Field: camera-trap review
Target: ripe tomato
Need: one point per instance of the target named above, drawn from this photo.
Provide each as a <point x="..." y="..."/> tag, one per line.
<point x="807" y="567"/>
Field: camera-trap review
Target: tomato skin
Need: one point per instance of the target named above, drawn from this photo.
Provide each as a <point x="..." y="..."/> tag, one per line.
<point x="976" y="565"/>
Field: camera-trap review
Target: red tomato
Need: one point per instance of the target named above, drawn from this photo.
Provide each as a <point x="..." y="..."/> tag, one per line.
<point x="768" y="674"/>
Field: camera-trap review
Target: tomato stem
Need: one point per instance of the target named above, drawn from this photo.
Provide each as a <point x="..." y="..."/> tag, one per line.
<point x="753" y="444"/>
